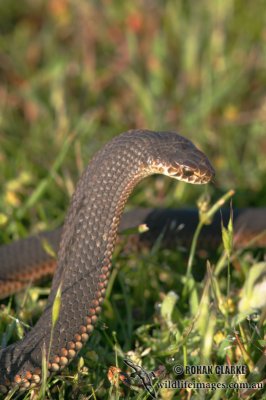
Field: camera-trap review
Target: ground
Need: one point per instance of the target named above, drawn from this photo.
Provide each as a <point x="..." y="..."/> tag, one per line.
<point x="76" y="73"/>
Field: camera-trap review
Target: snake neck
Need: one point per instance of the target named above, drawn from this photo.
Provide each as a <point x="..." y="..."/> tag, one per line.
<point x="90" y="230"/>
<point x="84" y="260"/>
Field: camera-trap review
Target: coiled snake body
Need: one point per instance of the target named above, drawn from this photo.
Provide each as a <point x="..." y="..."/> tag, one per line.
<point x="87" y="244"/>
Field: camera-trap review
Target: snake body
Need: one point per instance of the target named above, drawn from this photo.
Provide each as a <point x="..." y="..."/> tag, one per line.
<point x="26" y="260"/>
<point x="87" y="244"/>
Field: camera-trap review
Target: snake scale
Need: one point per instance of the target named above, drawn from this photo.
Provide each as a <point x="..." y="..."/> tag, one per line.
<point x="87" y="244"/>
<point x="26" y="260"/>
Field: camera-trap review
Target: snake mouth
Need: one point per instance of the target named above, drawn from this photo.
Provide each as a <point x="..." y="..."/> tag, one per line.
<point x="190" y="175"/>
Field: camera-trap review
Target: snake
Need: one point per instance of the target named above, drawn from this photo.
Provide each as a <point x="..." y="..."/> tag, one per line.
<point x="86" y="243"/>
<point x="27" y="260"/>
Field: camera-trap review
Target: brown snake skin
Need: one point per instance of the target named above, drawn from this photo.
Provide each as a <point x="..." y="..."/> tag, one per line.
<point x="87" y="244"/>
<point x="25" y="261"/>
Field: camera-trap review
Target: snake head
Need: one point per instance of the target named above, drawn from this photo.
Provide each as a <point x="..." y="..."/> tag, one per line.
<point x="196" y="170"/>
<point x="181" y="160"/>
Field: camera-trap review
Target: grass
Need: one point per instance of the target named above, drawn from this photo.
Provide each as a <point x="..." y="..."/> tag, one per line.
<point x="75" y="74"/>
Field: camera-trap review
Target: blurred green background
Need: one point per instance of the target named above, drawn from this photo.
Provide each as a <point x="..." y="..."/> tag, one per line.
<point x="76" y="73"/>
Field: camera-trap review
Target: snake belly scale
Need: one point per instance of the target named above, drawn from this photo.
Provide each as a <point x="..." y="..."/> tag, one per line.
<point x="87" y="244"/>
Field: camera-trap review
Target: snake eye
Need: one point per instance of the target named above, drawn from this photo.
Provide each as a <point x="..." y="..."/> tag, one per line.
<point x="187" y="172"/>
